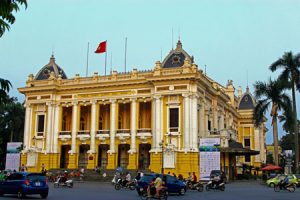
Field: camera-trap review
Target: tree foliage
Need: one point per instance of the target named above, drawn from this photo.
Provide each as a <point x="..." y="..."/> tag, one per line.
<point x="7" y="9"/>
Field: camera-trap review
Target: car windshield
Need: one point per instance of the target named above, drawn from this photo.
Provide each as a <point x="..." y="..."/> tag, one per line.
<point x="36" y="177"/>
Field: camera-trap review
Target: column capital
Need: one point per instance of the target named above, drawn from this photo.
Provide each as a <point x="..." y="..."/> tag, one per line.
<point x="27" y="105"/>
<point x="133" y="99"/>
<point x="195" y="96"/>
<point x="113" y="100"/>
<point x="50" y="103"/>
<point x="186" y="95"/>
<point x="93" y="102"/>
<point x="75" y="103"/>
<point x="157" y="97"/>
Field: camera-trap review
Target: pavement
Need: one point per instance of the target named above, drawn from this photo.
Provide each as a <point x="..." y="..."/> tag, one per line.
<point x="253" y="190"/>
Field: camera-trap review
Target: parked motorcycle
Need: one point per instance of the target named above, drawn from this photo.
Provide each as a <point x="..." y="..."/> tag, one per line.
<point x="63" y="182"/>
<point x="163" y="195"/>
<point x="194" y="186"/>
<point x="120" y="184"/>
<point x="289" y="187"/>
<point x="215" y="185"/>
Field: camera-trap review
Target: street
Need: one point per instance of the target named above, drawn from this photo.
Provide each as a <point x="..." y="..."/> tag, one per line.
<point x="234" y="191"/>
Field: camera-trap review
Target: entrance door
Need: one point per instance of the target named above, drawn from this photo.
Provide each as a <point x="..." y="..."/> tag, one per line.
<point x="64" y="156"/>
<point x="144" y="156"/>
<point x="123" y="155"/>
<point x="83" y="156"/>
<point x="102" y="155"/>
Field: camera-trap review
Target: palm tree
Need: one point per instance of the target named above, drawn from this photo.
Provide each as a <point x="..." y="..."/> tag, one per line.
<point x="290" y="65"/>
<point x="271" y="94"/>
<point x="7" y="8"/>
<point x="5" y="86"/>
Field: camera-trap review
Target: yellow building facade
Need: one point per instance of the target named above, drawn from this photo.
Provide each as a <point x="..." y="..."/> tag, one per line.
<point x="134" y="119"/>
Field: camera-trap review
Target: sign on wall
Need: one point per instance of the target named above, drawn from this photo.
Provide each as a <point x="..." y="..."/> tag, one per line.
<point x="209" y="156"/>
<point x="13" y="155"/>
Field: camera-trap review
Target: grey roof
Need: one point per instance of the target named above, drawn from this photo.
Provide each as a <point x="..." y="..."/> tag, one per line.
<point x="247" y="101"/>
<point x="176" y="57"/>
<point x="44" y="73"/>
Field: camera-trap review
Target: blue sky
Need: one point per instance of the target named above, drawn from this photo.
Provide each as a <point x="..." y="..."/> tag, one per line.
<point x="231" y="37"/>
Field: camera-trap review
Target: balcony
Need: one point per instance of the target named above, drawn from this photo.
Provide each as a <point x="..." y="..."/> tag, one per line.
<point x="40" y="134"/>
<point x="102" y="135"/>
<point x="123" y="134"/>
<point x="83" y="135"/>
<point x="65" y="135"/>
<point x="144" y="133"/>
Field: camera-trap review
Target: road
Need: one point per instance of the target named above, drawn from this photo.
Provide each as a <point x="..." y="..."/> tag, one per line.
<point x="105" y="191"/>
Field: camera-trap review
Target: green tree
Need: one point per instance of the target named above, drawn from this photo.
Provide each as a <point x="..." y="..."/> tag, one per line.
<point x="5" y="86"/>
<point x="11" y="124"/>
<point x="7" y="9"/>
<point x="290" y="64"/>
<point x="271" y="94"/>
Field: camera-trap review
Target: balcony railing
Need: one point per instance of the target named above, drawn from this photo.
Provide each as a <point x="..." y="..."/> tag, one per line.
<point x="103" y="131"/>
<point x="121" y="131"/>
<point x="144" y="130"/>
<point x="65" y="133"/>
<point x="40" y="134"/>
<point x="174" y="129"/>
<point x="83" y="132"/>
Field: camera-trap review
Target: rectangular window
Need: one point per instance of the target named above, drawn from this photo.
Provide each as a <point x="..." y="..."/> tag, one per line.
<point x="174" y="118"/>
<point x="41" y="125"/>
<point x="247" y="142"/>
<point x="247" y="158"/>
<point x="209" y="125"/>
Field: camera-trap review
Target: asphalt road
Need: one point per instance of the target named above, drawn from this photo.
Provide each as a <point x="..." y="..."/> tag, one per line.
<point x="105" y="191"/>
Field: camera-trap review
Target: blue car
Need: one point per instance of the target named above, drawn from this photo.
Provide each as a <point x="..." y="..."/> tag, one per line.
<point x="174" y="185"/>
<point x="23" y="183"/>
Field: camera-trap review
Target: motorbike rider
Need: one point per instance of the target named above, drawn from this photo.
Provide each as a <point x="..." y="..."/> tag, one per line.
<point x="194" y="178"/>
<point x="284" y="182"/>
<point x="127" y="179"/>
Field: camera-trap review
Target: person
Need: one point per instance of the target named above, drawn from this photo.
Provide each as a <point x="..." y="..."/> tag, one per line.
<point x="283" y="181"/>
<point x="190" y="177"/>
<point x="174" y="175"/>
<point x="127" y="179"/>
<point x="43" y="167"/>
<point x="81" y="173"/>
<point x="138" y="176"/>
<point x="22" y="168"/>
<point x="194" y="178"/>
<point x="158" y="185"/>
<point x="180" y="177"/>
<point x="150" y="188"/>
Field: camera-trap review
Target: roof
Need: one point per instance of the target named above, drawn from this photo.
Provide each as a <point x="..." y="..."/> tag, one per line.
<point x="237" y="148"/>
<point x="176" y="57"/>
<point x="45" y="72"/>
<point x="247" y="101"/>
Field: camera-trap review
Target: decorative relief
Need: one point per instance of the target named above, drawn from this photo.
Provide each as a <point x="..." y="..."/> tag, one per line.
<point x="121" y="93"/>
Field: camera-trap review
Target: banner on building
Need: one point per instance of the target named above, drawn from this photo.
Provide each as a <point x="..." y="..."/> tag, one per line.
<point x="13" y="155"/>
<point x="209" y="156"/>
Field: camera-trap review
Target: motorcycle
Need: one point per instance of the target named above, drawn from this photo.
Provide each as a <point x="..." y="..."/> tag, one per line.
<point x="120" y="184"/>
<point x="289" y="187"/>
<point x="63" y="182"/>
<point x="194" y="186"/>
<point x="215" y="185"/>
<point x="163" y="195"/>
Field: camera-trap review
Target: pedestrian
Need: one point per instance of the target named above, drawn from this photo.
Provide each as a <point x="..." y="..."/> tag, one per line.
<point x="174" y="175"/>
<point x="22" y="168"/>
<point x="43" y="168"/>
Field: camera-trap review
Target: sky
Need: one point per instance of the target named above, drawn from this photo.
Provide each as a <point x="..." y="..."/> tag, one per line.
<point x="236" y="40"/>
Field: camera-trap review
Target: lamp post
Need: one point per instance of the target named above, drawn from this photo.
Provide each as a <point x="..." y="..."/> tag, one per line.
<point x="162" y="155"/>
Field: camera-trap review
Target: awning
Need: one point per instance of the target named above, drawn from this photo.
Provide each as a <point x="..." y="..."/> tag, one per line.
<point x="237" y="148"/>
<point x="271" y="168"/>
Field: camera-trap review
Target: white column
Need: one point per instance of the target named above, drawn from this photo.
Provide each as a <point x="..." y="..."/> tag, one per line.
<point x="112" y="126"/>
<point x="27" y="134"/>
<point x="93" y="127"/>
<point x="215" y="122"/>
<point x="153" y="118"/>
<point x="222" y="121"/>
<point x="49" y="127"/>
<point x="195" y="123"/>
<point x="186" y="121"/>
<point x="74" y="126"/>
<point x="133" y="126"/>
<point x="56" y="128"/>
<point x="157" y="120"/>
<point x="202" y="119"/>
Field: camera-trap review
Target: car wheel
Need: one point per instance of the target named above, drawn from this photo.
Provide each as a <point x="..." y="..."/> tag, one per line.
<point x="44" y="196"/>
<point x="20" y="194"/>
<point x="271" y="185"/>
<point x="182" y="191"/>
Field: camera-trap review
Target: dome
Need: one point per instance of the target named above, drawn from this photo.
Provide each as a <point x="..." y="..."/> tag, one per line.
<point x="45" y="72"/>
<point x="247" y="102"/>
<point x="176" y="57"/>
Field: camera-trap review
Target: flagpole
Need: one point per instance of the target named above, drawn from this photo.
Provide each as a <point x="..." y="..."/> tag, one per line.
<point x="87" y="60"/>
<point x="110" y="63"/>
<point x="125" y="52"/>
<point x="105" y="57"/>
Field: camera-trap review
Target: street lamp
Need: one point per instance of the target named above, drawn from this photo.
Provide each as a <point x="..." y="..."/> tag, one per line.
<point x="162" y="156"/>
